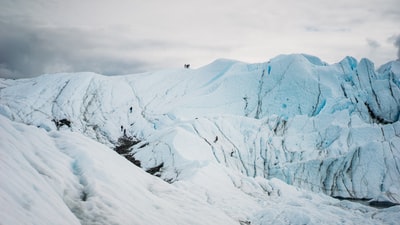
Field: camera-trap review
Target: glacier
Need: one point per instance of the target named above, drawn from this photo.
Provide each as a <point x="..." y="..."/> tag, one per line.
<point x="263" y="143"/>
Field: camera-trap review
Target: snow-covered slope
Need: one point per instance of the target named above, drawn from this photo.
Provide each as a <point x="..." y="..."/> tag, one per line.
<point x="61" y="177"/>
<point x="331" y="129"/>
<point x="66" y="178"/>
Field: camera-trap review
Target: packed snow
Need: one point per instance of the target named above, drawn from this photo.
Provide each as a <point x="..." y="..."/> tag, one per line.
<point x="228" y="143"/>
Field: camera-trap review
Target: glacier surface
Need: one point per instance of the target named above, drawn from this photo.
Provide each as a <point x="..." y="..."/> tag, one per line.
<point x="223" y="136"/>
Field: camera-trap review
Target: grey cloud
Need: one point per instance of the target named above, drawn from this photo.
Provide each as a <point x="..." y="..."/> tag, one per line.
<point x="312" y="29"/>
<point x="397" y="44"/>
<point x="27" y="52"/>
<point x="395" y="39"/>
<point x="5" y="72"/>
<point x="373" y="43"/>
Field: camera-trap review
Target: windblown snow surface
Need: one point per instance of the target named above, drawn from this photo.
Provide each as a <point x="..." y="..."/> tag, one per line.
<point x="228" y="143"/>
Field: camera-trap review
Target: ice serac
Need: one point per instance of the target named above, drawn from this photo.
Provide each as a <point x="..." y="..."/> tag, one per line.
<point x="327" y="128"/>
<point x="354" y="142"/>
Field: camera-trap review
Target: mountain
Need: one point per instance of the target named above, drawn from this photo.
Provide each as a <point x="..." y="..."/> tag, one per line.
<point x="228" y="143"/>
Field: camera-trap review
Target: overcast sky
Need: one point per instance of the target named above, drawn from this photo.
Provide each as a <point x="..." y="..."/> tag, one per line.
<point x="131" y="36"/>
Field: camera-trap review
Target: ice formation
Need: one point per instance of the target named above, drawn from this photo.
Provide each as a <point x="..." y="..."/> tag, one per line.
<point x="241" y="138"/>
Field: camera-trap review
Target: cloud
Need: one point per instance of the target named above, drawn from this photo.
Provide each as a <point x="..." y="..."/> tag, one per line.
<point x="7" y="73"/>
<point x="397" y="44"/>
<point x="27" y="52"/>
<point x="373" y="43"/>
<point x="123" y="36"/>
<point x="312" y="29"/>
